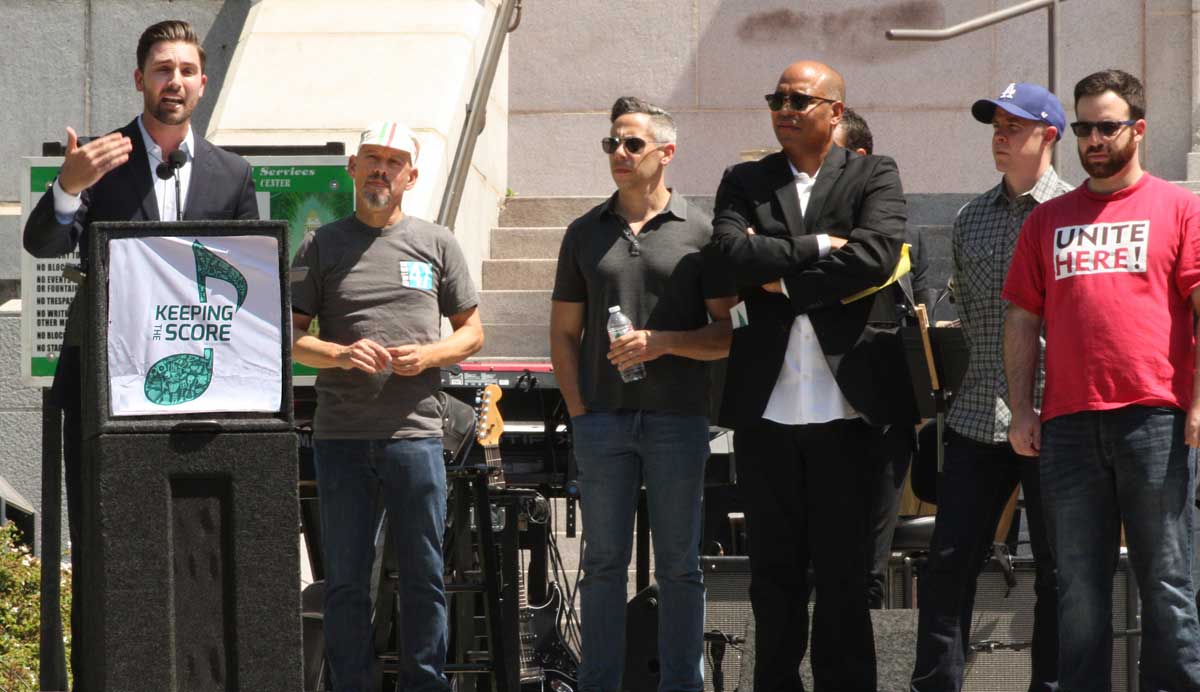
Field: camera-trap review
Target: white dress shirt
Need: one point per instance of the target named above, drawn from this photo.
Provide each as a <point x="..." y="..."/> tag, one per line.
<point x="805" y="391"/>
<point x="66" y="205"/>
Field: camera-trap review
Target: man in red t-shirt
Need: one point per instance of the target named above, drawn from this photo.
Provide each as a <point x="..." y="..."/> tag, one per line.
<point x="1110" y="270"/>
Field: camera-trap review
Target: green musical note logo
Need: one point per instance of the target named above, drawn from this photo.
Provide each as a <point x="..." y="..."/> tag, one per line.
<point x="209" y="266"/>
<point x="179" y="378"/>
<point x="184" y="377"/>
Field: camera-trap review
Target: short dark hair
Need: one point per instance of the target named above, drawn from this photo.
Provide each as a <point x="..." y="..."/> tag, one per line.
<point x="1121" y="83"/>
<point x="662" y="125"/>
<point x="170" y="30"/>
<point x="858" y="134"/>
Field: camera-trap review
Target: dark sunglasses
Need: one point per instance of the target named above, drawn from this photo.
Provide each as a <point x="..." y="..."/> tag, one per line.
<point x="1107" y="128"/>
<point x="633" y="145"/>
<point x="798" y="101"/>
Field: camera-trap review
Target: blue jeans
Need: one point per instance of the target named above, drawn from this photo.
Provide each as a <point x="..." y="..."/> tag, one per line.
<point x="1101" y="469"/>
<point x="616" y="453"/>
<point x="411" y="476"/>
<point x="979" y="479"/>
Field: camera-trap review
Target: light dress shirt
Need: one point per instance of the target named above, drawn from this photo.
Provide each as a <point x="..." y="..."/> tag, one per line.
<point x="66" y="205"/>
<point x="805" y="391"/>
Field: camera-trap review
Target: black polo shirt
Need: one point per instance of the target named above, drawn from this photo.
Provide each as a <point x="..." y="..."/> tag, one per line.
<point x="662" y="287"/>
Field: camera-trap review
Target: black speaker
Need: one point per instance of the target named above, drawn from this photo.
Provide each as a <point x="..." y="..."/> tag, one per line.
<point x="726" y="610"/>
<point x="895" y="653"/>
<point x="641" y="642"/>
<point x="1002" y="627"/>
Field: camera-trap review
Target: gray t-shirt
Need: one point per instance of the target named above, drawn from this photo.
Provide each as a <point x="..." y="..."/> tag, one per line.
<point x="663" y="287"/>
<point x="390" y="285"/>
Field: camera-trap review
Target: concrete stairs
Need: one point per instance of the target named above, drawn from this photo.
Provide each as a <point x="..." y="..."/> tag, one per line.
<point x="519" y="274"/>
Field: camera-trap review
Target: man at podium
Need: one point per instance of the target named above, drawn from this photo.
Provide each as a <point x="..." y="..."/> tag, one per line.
<point x="129" y="175"/>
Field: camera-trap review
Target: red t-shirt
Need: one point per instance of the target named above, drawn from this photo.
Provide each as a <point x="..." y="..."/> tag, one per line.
<point x="1112" y="276"/>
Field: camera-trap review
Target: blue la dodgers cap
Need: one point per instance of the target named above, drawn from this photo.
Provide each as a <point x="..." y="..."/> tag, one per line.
<point x="1024" y="100"/>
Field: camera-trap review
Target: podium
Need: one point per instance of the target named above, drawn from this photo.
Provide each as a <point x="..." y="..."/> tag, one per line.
<point x="190" y="578"/>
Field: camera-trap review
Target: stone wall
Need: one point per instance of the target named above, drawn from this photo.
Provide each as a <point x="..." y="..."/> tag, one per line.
<point x="710" y="62"/>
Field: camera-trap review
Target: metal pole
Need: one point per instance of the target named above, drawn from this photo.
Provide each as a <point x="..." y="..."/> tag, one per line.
<point x="476" y="111"/>
<point x="982" y="22"/>
<point x="52" y="661"/>
<point x="968" y="26"/>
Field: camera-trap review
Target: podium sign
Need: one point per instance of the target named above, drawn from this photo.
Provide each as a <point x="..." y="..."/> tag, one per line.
<point x="191" y="322"/>
<point x="200" y="325"/>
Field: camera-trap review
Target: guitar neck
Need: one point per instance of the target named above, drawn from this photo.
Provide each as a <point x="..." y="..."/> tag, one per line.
<point x="491" y="454"/>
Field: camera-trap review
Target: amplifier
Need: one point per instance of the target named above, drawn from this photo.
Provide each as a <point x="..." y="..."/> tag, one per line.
<point x="1002" y="628"/>
<point x="727" y="610"/>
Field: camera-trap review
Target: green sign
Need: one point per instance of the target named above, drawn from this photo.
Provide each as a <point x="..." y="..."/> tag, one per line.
<point x="307" y="197"/>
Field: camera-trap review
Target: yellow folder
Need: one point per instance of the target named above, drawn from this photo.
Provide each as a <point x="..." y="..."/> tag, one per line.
<point x="903" y="266"/>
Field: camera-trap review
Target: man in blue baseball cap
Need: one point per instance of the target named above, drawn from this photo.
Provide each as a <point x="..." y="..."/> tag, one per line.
<point x="981" y="469"/>
<point x="1026" y="101"/>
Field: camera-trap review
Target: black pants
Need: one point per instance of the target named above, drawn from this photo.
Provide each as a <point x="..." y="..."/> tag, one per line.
<point x="66" y="394"/>
<point x="884" y="484"/>
<point x="805" y="497"/>
<point x="979" y="479"/>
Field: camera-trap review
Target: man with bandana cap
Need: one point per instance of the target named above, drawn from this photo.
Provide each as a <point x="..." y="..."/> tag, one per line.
<point x="378" y="284"/>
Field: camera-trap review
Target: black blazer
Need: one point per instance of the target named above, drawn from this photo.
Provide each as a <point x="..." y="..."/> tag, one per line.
<point x="221" y="187"/>
<point x="858" y="198"/>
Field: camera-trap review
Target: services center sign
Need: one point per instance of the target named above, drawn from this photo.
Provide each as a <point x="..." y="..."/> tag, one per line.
<point x="199" y="325"/>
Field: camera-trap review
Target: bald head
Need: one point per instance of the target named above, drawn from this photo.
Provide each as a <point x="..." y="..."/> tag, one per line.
<point x="821" y="79"/>
<point x="808" y="104"/>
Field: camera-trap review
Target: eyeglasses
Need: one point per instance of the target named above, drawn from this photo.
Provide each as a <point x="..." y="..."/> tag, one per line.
<point x="1107" y="128"/>
<point x="633" y="145"/>
<point x="798" y="101"/>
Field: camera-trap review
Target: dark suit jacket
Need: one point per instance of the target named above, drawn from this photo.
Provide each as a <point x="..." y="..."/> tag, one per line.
<point x="858" y="198"/>
<point x="221" y="187"/>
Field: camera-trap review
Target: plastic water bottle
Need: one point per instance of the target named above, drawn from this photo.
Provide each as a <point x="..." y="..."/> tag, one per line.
<point x="618" y="326"/>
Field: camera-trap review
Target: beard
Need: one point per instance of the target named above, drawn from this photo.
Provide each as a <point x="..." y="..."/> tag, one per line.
<point x="1117" y="160"/>
<point x="377" y="198"/>
<point x="165" y="115"/>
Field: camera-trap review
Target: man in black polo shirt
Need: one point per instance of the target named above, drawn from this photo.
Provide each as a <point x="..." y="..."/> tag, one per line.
<point x="642" y="249"/>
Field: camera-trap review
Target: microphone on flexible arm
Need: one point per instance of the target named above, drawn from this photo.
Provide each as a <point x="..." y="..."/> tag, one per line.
<point x="167" y="170"/>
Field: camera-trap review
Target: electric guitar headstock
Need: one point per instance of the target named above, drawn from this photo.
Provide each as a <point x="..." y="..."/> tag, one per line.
<point x="489" y="426"/>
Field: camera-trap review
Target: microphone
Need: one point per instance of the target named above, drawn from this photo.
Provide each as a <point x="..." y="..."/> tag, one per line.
<point x="166" y="171"/>
<point x="177" y="158"/>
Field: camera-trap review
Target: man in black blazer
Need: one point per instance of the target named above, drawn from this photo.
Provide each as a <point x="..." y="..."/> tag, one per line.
<point x="811" y="379"/>
<point x="112" y="178"/>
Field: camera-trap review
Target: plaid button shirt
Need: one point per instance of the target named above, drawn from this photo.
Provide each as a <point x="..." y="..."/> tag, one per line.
<point x="985" y="234"/>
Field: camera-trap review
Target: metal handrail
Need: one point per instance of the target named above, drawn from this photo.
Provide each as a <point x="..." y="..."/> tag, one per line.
<point x="473" y="125"/>
<point x="984" y="21"/>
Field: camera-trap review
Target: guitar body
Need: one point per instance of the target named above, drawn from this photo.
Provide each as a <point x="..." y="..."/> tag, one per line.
<point x="558" y="663"/>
